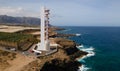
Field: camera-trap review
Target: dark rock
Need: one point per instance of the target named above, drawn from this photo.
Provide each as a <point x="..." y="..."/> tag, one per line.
<point x="59" y="65"/>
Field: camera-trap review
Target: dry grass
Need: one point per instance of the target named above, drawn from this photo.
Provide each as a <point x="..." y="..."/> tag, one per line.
<point x="4" y="58"/>
<point x="11" y="29"/>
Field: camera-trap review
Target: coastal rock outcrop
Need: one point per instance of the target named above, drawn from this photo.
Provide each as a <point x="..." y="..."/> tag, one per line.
<point x="67" y="60"/>
<point x="60" y="65"/>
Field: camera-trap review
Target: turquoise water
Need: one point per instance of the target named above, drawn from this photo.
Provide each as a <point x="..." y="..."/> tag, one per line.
<point x="105" y="40"/>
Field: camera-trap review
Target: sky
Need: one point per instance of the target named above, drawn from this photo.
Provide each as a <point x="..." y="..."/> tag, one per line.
<point x="67" y="12"/>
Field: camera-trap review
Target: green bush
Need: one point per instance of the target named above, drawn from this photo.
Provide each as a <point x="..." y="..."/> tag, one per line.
<point x="16" y="40"/>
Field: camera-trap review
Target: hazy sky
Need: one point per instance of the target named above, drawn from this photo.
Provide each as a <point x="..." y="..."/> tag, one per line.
<point x="67" y="12"/>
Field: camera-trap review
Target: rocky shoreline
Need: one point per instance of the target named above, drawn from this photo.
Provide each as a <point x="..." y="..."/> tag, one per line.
<point x="65" y="59"/>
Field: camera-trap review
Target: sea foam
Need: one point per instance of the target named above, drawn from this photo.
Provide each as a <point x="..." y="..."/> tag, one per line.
<point x="80" y="46"/>
<point x="83" y="68"/>
<point x="90" y="52"/>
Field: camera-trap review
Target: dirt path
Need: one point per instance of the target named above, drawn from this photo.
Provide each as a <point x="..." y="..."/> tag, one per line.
<point x="18" y="63"/>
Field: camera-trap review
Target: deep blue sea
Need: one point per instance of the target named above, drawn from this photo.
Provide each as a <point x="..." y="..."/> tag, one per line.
<point x="106" y="44"/>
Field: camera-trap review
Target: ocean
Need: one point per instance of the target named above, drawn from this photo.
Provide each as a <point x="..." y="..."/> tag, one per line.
<point x="103" y="41"/>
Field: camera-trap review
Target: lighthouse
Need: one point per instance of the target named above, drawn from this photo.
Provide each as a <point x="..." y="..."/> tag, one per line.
<point x="44" y="44"/>
<point x="44" y="47"/>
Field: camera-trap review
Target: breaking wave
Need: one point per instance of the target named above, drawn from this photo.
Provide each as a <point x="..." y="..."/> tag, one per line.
<point x="90" y="51"/>
<point x="83" y="68"/>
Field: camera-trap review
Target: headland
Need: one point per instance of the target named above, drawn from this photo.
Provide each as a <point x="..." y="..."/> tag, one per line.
<point x="15" y="52"/>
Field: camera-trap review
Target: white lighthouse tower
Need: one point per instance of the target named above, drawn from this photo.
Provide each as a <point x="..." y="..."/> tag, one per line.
<point x="44" y="45"/>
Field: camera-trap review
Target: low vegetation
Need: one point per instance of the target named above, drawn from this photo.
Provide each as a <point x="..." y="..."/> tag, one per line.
<point x="16" y="40"/>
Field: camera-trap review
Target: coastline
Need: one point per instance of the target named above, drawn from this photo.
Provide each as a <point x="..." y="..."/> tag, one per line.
<point x="63" y="58"/>
<point x="89" y="50"/>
